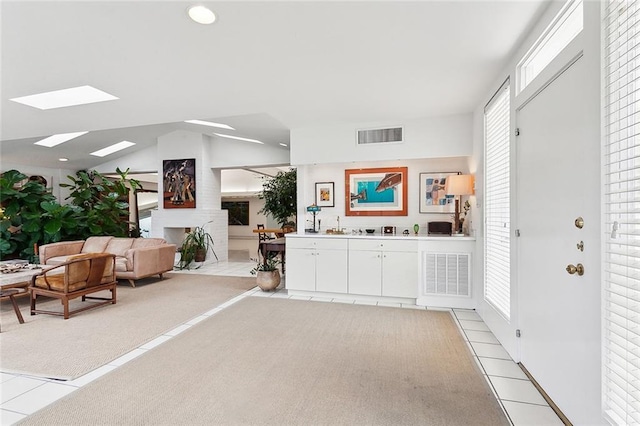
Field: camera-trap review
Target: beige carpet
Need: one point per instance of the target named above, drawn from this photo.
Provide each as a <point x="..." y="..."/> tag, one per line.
<point x="290" y="362"/>
<point x="49" y="346"/>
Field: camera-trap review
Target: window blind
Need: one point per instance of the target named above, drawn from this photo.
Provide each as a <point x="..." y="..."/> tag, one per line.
<point x="497" y="260"/>
<point x="621" y="177"/>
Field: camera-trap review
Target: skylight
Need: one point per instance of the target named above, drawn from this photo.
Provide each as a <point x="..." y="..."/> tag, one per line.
<point x="63" y="98"/>
<point x="239" y="138"/>
<point x="58" y="139"/>
<point x="113" y="148"/>
<point x="210" y="124"/>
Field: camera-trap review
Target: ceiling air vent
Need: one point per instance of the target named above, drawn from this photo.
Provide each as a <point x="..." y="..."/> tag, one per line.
<point x="375" y="136"/>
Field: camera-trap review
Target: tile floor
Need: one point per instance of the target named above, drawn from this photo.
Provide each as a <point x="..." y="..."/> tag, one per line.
<point x="21" y="395"/>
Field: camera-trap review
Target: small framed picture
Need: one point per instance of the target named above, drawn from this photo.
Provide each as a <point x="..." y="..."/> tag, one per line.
<point x="325" y="194"/>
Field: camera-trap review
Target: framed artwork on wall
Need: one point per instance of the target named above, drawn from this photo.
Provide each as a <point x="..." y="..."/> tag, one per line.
<point x="238" y="212"/>
<point x="179" y="184"/>
<point x="376" y="192"/>
<point x="432" y="196"/>
<point x="325" y="194"/>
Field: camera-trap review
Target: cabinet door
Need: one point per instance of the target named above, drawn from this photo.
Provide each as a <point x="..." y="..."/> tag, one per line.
<point x="365" y="272"/>
<point x="301" y="267"/>
<point x="400" y="274"/>
<point x="331" y="271"/>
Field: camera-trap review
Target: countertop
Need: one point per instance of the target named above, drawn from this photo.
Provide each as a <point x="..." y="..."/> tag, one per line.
<point x="419" y="237"/>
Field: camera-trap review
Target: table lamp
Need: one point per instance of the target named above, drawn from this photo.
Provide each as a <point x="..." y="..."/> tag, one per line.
<point x="314" y="209"/>
<point x="458" y="185"/>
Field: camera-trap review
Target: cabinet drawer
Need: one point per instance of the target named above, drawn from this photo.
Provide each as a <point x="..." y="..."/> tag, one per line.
<point x="400" y="245"/>
<point x="365" y="244"/>
<point x="382" y="244"/>
<point x="317" y="243"/>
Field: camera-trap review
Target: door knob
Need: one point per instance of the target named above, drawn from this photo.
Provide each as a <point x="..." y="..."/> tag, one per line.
<point x="577" y="268"/>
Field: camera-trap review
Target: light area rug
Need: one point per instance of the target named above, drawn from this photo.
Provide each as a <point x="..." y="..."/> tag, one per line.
<point x="49" y="346"/>
<point x="266" y="361"/>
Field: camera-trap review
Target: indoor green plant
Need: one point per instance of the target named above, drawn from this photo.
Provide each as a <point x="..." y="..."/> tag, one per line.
<point x="267" y="273"/>
<point x="280" y="197"/>
<point x="31" y="215"/>
<point x="195" y="246"/>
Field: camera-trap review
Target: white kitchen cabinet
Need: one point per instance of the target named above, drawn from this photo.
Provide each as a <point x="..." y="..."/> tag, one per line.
<point x="316" y="264"/>
<point x="364" y="272"/>
<point x="379" y="267"/>
<point x="400" y="274"/>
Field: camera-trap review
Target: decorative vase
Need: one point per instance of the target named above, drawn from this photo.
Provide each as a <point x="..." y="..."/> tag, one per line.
<point x="268" y="280"/>
<point x="416" y="228"/>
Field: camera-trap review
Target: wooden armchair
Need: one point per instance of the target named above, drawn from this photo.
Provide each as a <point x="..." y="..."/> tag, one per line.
<point x="80" y="275"/>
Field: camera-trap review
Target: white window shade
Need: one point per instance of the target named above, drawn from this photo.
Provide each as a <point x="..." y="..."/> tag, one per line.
<point x="497" y="259"/>
<point x="621" y="177"/>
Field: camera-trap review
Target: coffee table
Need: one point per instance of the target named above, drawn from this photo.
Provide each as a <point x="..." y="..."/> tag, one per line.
<point x="20" y="279"/>
<point x="11" y="293"/>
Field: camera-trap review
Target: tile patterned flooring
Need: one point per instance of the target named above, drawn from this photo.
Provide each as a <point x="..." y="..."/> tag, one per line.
<point x="21" y="395"/>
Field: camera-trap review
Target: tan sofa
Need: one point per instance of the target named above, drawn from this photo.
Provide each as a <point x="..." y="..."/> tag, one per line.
<point x="135" y="257"/>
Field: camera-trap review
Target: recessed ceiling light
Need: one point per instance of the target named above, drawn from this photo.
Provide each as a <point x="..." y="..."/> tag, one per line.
<point x="66" y="97"/>
<point x="113" y="148"/>
<point x="201" y="15"/>
<point x="210" y="124"/>
<point x="63" y="159"/>
<point x="239" y="138"/>
<point x="283" y="144"/>
<point x="58" y="139"/>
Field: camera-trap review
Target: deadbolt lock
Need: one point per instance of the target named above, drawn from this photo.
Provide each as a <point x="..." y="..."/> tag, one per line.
<point x="579" y="222"/>
<point x="577" y="268"/>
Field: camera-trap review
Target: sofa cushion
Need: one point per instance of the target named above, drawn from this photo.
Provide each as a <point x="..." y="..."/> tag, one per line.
<point x="58" y="259"/>
<point x="96" y="244"/>
<point x="119" y="246"/>
<point x="147" y="242"/>
<point x="121" y="264"/>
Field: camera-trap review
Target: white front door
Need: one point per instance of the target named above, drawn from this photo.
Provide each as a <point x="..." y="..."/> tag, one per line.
<point x="558" y="180"/>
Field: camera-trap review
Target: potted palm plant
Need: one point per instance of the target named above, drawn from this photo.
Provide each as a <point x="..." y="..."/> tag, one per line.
<point x="195" y="246"/>
<point x="267" y="273"/>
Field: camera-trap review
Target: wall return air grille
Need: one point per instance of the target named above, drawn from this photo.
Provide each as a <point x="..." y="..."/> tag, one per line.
<point x="447" y="274"/>
<point x="376" y="136"/>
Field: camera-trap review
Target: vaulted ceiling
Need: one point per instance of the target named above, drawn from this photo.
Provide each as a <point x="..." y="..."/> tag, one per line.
<point x="264" y="67"/>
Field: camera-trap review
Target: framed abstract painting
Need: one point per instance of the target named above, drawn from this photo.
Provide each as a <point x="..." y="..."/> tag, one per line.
<point x="376" y="192"/>
<point x="432" y="194"/>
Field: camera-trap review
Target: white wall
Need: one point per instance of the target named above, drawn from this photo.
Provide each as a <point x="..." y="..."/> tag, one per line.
<point x="182" y="145"/>
<point x="310" y="174"/>
<point x="227" y="153"/>
<point x="145" y="160"/>
<point x="433" y="137"/>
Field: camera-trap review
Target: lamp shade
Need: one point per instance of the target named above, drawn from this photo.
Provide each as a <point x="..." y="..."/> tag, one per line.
<point x="459" y="185"/>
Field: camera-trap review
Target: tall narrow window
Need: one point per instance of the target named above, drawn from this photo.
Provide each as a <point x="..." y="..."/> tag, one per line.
<point x="497" y="246"/>
<point x="621" y="169"/>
